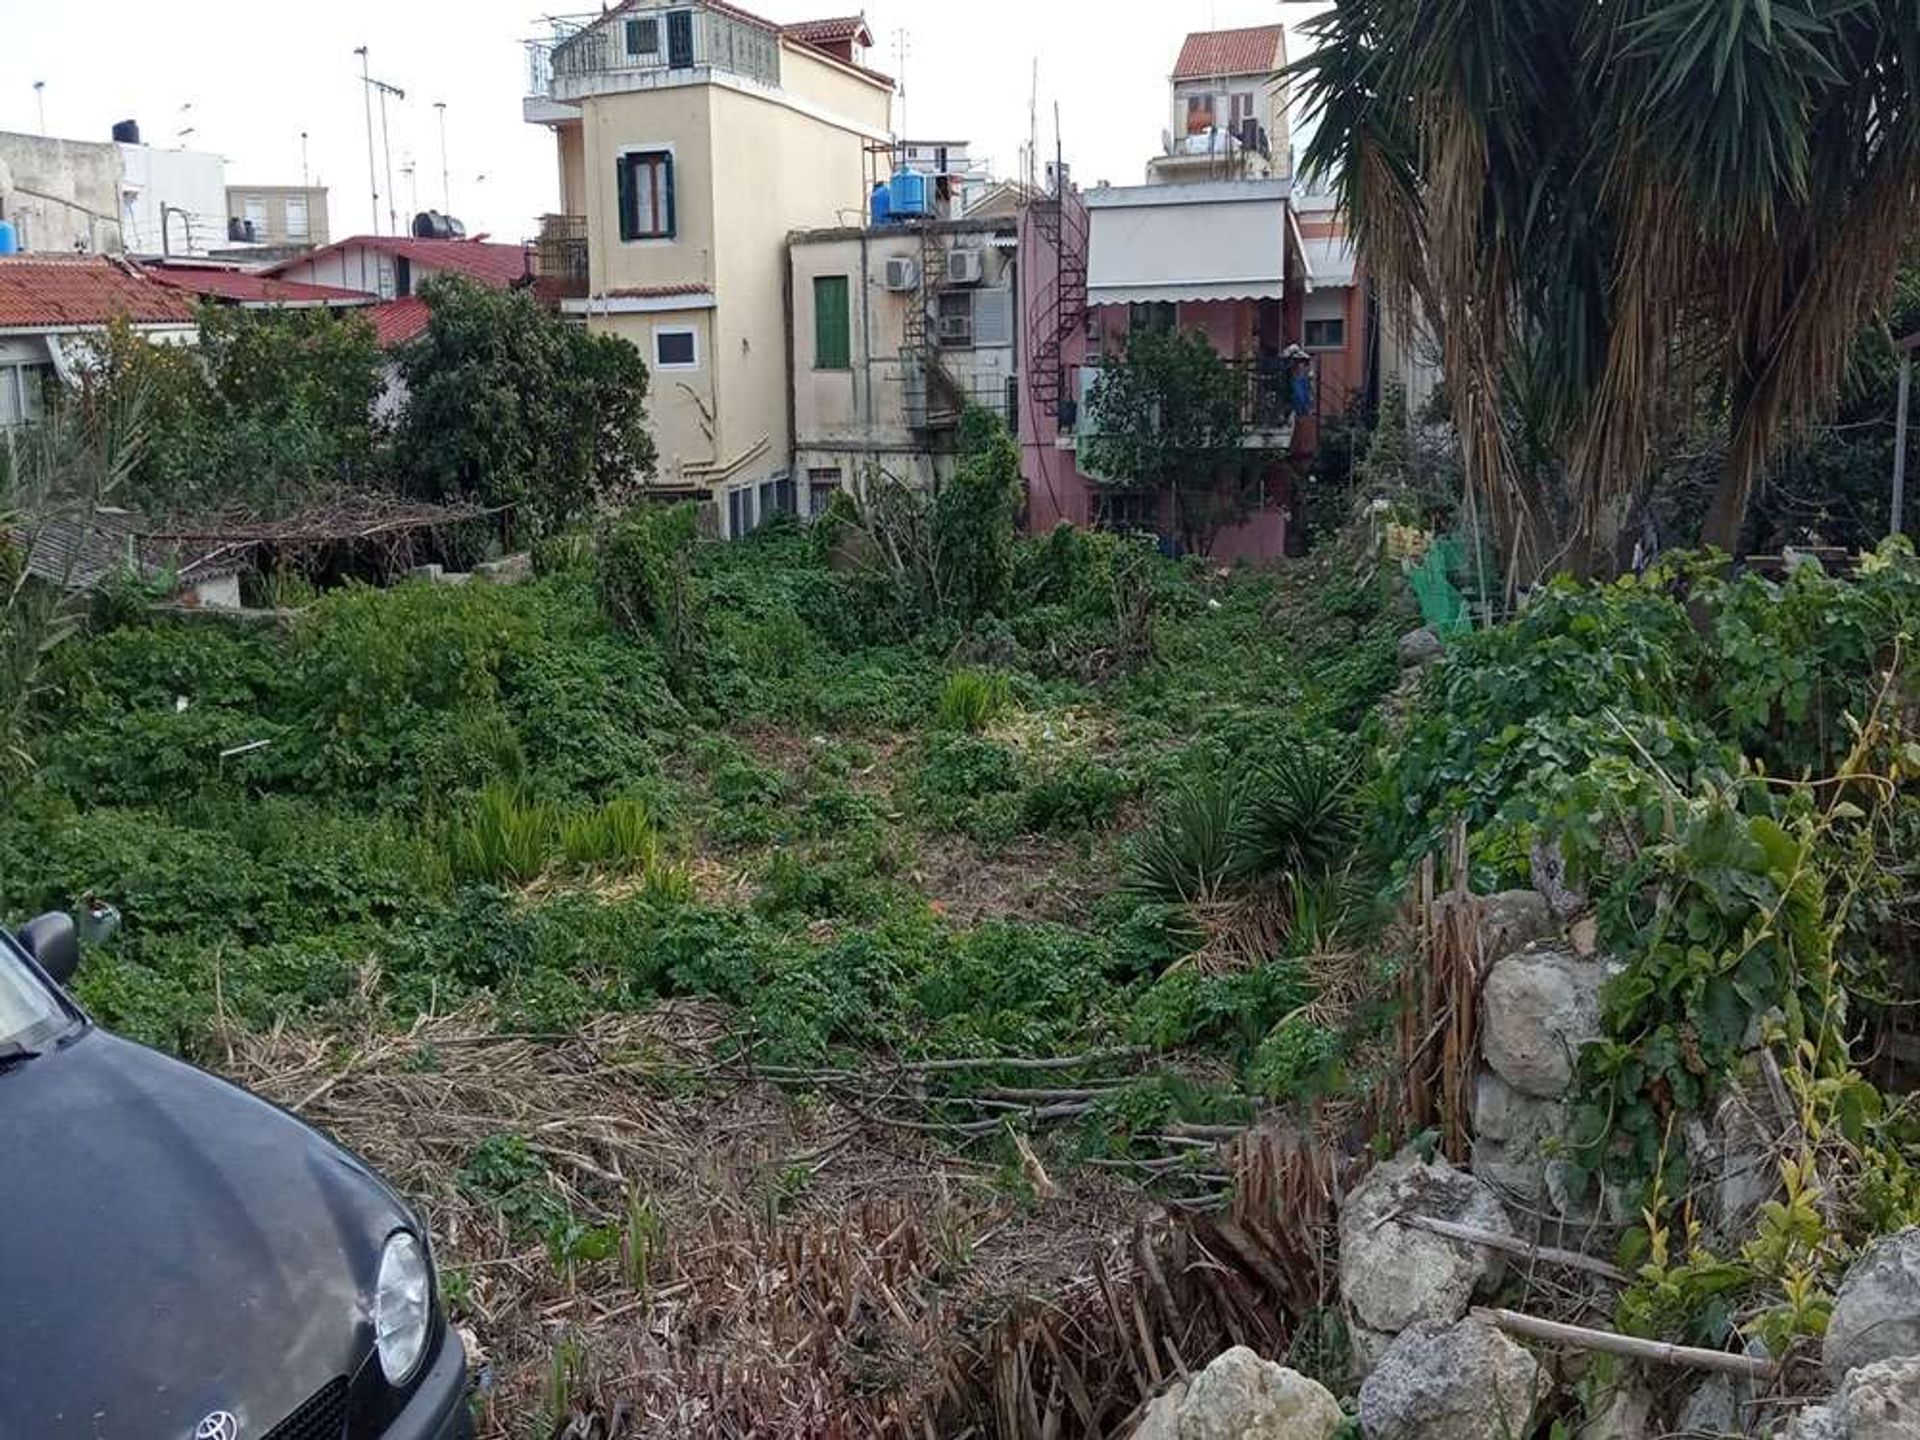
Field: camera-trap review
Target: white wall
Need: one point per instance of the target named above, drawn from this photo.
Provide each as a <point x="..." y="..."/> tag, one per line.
<point x="181" y="180"/>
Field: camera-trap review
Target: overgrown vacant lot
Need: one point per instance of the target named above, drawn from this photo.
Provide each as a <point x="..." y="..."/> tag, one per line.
<point x="879" y="853"/>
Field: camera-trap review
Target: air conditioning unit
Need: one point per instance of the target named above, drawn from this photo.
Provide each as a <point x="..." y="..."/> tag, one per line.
<point x="956" y="330"/>
<point x="965" y="267"/>
<point x="903" y="274"/>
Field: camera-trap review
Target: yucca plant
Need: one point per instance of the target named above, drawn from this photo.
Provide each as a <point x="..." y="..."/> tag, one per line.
<point x="1300" y="817"/>
<point x="971" y="700"/>
<point x="1195" y="853"/>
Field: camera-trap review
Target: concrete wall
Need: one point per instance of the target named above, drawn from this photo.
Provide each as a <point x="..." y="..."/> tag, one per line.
<point x="682" y="405"/>
<point x="61" y="195"/>
<point x="855" y="419"/>
<point x="570" y="148"/>
<point x="187" y="181"/>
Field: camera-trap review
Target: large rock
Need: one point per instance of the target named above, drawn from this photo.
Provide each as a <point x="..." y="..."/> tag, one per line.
<point x="1519" y="1143"/>
<point x="1451" y="1382"/>
<point x="1739" y="1156"/>
<point x="1816" y="1422"/>
<point x="1515" y="919"/>
<point x="1540" y="1006"/>
<point x="1162" y="1418"/>
<point x="1876" y="1315"/>
<point x="1711" y="1410"/>
<point x="1623" y="1411"/>
<point x="1242" y="1397"/>
<point x="1393" y="1273"/>
<point x="1881" y="1401"/>
<point x="1421" y="648"/>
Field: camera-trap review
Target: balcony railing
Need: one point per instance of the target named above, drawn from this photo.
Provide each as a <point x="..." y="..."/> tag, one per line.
<point x="589" y="55"/>
<point x="560" y="256"/>
<point x="1264" y="389"/>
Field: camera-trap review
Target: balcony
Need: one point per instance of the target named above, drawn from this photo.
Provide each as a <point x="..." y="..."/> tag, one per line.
<point x="1264" y="390"/>
<point x="560" y="257"/>
<point x="591" y="55"/>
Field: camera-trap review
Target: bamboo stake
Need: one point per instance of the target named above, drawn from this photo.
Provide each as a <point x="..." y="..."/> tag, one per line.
<point x="1655" y="1352"/>
<point x="1512" y="1245"/>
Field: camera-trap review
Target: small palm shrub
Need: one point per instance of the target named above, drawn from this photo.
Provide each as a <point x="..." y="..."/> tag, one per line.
<point x="1302" y="817"/>
<point x="971" y="700"/>
<point x="1194" y="854"/>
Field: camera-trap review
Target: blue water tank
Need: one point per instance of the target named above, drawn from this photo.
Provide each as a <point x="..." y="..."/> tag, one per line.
<point x="910" y="194"/>
<point x="9" y="238"/>
<point x="882" y="204"/>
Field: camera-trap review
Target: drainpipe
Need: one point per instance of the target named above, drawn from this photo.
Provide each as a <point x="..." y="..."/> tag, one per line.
<point x="866" y="327"/>
<point x="793" y="373"/>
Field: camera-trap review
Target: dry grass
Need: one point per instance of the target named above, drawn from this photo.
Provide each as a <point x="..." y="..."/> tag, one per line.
<point x="815" y="1273"/>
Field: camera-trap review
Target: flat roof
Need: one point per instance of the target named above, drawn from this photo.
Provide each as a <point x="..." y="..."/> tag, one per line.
<point x="1206" y="192"/>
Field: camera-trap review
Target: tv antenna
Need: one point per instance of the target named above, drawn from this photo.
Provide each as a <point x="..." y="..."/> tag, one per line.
<point x="383" y="90"/>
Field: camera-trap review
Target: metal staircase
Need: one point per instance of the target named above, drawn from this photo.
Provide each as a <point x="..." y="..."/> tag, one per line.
<point x="1060" y="308"/>
<point x="936" y="398"/>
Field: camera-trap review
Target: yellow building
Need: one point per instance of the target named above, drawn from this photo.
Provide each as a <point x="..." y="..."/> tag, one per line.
<point x="691" y="139"/>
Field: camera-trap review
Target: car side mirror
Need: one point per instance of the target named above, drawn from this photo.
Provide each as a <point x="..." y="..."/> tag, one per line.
<point x="54" y="942"/>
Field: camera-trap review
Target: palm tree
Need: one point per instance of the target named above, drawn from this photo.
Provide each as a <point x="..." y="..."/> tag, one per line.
<point x="1613" y="211"/>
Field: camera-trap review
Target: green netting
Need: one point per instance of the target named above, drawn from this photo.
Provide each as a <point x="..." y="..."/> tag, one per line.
<point x="1442" y="605"/>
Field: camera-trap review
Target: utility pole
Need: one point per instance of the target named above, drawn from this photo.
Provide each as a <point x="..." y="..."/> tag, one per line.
<point x="40" y="97"/>
<point x="446" y="186"/>
<point x="373" y="176"/>
<point x="305" y="183"/>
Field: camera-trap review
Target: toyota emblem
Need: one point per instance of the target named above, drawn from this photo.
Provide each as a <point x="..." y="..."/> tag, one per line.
<point x="220" y="1425"/>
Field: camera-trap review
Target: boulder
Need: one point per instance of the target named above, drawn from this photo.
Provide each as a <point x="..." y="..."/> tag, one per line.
<point x="1881" y="1401"/>
<point x="1519" y="1143"/>
<point x="513" y="570"/>
<point x="1421" y="648"/>
<point x="1738" y="1156"/>
<point x="1876" y="1315"/>
<point x="1515" y="919"/>
<point x="1540" y="1007"/>
<point x="1451" y="1382"/>
<point x="1392" y="1273"/>
<point x="1242" y="1397"/>
<point x="1162" y="1418"/>
<point x="1623" y="1411"/>
<point x="1816" y="1422"/>
<point x="1711" y="1410"/>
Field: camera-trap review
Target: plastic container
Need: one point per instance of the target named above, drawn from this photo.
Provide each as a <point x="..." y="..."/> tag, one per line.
<point x="882" y="204"/>
<point x="9" y="238"/>
<point x="909" y="194"/>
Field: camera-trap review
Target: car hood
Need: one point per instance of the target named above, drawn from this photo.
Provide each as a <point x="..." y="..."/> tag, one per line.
<point x="171" y="1246"/>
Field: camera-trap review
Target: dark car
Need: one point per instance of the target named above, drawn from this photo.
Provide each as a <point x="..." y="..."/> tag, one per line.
<point x="180" y="1260"/>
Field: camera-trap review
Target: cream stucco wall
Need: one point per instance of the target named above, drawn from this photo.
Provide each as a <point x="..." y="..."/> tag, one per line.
<point x="681" y="404"/>
<point x="571" y="148"/>
<point x="679" y="118"/>
<point x="821" y="80"/>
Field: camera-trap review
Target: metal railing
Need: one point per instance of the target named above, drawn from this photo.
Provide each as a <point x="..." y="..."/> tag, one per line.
<point x="1264" y="388"/>
<point x="560" y="257"/>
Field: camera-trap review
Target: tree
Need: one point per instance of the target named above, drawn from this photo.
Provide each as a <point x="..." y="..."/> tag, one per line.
<point x="974" y="519"/>
<point x="509" y="405"/>
<point x="1609" y="210"/>
<point x="272" y="409"/>
<point x="1167" y="418"/>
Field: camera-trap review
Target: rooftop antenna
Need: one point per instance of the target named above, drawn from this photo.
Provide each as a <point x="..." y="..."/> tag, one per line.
<point x="373" y="175"/>
<point x="305" y="182"/>
<point x="1032" y="175"/>
<point x="40" y="97"/>
<point x="409" y="173"/>
<point x="386" y="147"/>
<point x="186" y="127"/>
<point x="902" y="51"/>
<point x="446" y="185"/>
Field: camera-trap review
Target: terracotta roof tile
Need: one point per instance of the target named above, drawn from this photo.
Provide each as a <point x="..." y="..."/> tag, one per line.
<point x="53" y="291"/>
<point x="839" y="30"/>
<point x="1208" y="53"/>
<point x="395" y="322"/>
<point x="248" y="287"/>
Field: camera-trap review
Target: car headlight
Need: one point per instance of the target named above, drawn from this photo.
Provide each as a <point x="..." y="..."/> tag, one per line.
<point x="402" y="1307"/>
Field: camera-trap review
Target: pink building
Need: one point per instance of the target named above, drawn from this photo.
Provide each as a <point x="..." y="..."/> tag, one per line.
<point x="1209" y="245"/>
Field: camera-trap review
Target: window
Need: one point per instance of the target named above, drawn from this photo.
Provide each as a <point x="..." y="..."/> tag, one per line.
<point x="1126" y="512"/>
<point x="776" y="498"/>
<point x="23" y="390"/>
<point x="679" y="39"/>
<point x="643" y="38"/>
<point x="739" y="512"/>
<point x="676" y="349"/>
<point x="1327" y="334"/>
<point x="1242" y="109"/>
<point x="297" y="217"/>
<point x="832" y="323"/>
<point x="993" y="317"/>
<point x="402" y="276"/>
<point x="1199" y="114"/>
<point x="823" y="483"/>
<point x="645" y="180"/>
<point x="256" y="213"/>
<point x="956" y="318"/>
<point x="1156" y="315"/>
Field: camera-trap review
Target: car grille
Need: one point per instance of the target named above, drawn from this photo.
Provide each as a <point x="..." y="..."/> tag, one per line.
<point x="322" y="1417"/>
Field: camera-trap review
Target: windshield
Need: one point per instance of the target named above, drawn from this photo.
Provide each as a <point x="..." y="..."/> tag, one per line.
<point x="29" y="1015"/>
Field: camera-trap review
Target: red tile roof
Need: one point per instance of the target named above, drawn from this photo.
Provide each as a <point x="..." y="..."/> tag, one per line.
<point x="397" y="321"/>
<point x="838" y="31"/>
<point x="58" y="291"/>
<point x="655" y="292"/>
<point x="247" y="287"/>
<point x="1230" y="52"/>
<point x="495" y="265"/>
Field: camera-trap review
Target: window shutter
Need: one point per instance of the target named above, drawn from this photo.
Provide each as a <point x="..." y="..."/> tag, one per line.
<point x="623" y="173"/>
<point x="993" y="317"/>
<point x="672" y="228"/>
<point x="832" y="327"/>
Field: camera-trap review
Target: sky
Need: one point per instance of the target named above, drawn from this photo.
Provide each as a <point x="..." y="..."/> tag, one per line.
<point x="232" y="79"/>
